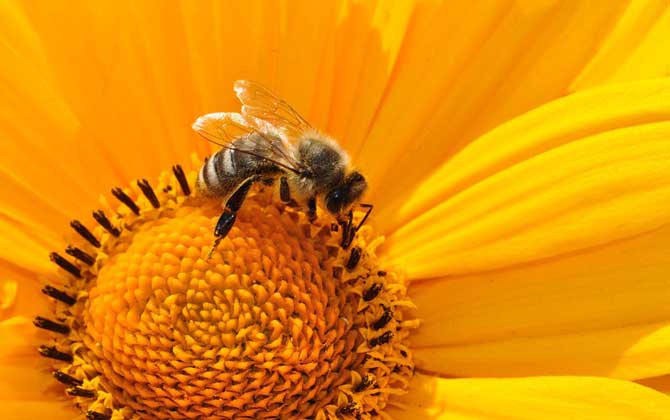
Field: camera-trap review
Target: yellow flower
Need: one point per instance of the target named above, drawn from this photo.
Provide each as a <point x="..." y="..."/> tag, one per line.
<point x="518" y="155"/>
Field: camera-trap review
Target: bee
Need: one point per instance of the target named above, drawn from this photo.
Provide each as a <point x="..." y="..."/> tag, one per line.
<point x="268" y="141"/>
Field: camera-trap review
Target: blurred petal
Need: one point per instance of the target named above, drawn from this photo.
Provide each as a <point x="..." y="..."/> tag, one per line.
<point x="21" y="296"/>
<point x="38" y="409"/>
<point x="529" y="398"/>
<point x="568" y="176"/>
<point x="20" y="361"/>
<point x="602" y="313"/>
<point x="637" y="48"/>
<point x="467" y="67"/>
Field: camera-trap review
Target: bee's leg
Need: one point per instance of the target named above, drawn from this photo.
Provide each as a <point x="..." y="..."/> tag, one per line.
<point x="311" y="209"/>
<point x="347" y="228"/>
<point x="284" y="191"/>
<point x="229" y="215"/>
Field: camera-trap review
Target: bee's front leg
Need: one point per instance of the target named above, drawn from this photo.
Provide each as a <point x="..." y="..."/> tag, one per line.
<point x="229" y="215"/>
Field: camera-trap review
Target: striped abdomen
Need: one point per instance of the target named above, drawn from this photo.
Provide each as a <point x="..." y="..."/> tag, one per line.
<point x="226" y="169"/>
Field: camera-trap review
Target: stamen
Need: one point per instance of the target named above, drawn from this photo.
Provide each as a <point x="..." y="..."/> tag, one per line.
<point x="52" y="353"/>
<point x="181" y="178"/>
<point x="100" y="217"/>
<point x="80" y="392"/>
<point x="65" y="264"/>
<point x="81" y="255"/>
<point x="386" y="317"/>
<point x="382" y="339"/>
<point x="47" y="324"/>
<point x="59" y="295"/>
<point x="149" y="192"/>
<point x="372" y="292"/>
<point x="125" y="199"/>
<point x="350" y="409"/>
<point x="66" y="379"/>
<point x="354" y="257"/>
<point x="85" y="233"/>
<point x="94" y="415"/>
<point x="365" y="382"/>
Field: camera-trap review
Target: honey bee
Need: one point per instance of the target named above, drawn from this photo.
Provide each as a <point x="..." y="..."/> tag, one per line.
<point x="269" y="140"/>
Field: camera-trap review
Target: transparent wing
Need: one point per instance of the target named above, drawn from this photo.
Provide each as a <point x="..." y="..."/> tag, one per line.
<point x="258" y="103"/>
<point x="224" y="128"/>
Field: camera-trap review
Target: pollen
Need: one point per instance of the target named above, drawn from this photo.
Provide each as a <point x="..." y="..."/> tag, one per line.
<point x="279" y="322"/>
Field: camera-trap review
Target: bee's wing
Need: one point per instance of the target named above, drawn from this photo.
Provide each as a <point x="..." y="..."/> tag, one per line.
<point x="223" y="128"/>
<point x="258" y="103"/>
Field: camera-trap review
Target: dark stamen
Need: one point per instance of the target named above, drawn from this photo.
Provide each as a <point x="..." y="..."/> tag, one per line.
<point x="354" y="257"/>
<point x="80" y="392"/>
<point x="66" y="379"/>
<point x="47" y="324"/>
<point x="148" y="192"/>
<point x="94" y="415"/>
<point x="79" y="254"/>
<point x="337" y="272"/>
<point x="372" y="292"/>
<point x="334" y="227"/>
<point x="181" y="178"/>
<point x="59" y="295"/>
<point x="167" y="188"/>
<point x="65" y="264"/>
<point x="100" y="217"/>
<point x="382" y="339"/>
<point x="386" y="317"/>
<point x="350" y="408"/>
<point x="365" y="382"/>
<point x="85" y="233"/>
<point x="52" y="353"/>
<point x="125" y="199"/>
<point x="381" y="273"/>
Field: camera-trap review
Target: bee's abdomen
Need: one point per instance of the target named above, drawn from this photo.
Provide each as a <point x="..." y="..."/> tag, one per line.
<point x="219" y="175"/>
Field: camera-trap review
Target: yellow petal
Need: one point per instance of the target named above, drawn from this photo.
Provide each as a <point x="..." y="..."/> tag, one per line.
<point x="466" y="67"/>
<point x="602" y="313"/>
<point x="635" y="49"/>
<point x="577" y="173"/>
<point x="22" y="292"/>
<point x="38" y="409"/>
<point x="529" y="398"/>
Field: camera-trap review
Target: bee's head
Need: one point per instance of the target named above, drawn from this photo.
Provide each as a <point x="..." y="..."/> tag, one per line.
<point x="343" y="195"/>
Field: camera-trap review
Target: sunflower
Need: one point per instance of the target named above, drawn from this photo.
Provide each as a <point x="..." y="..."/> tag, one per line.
<point x="515" y="265"/>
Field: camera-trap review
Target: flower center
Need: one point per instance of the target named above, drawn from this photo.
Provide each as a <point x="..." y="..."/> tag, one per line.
<point x="279" y="322"/>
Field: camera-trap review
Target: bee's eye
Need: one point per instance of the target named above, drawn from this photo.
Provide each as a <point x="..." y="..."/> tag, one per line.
<point x="334" y="201"/>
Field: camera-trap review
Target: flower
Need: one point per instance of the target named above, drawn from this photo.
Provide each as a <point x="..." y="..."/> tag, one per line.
<point x="531" y="221"/>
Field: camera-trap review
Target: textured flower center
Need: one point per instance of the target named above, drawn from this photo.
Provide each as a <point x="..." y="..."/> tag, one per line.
<point x="279" y="323"/>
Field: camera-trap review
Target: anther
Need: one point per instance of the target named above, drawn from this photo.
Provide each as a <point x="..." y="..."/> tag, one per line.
<point x="94" y="415"/>
<point x="181" y="178"/>
<point x="167" y="188"/>
<point x="125" y="199"/>
<point x="65" y="264"/>
<point x="79" y="254"/>
<point x="66" y="379"/>
<point x="372" y="292"/>
<point x="52" y="353"/>
<point x="381" y="273"/>
<point x="85" y="233"/>
<point x="351" y="409"/>
<point x="148" y="192"/>
<point x="334" y="227"/>
<point x="47" y="324"/>
<point x="365" y="383"/>
<point x="100" y="217"/>
<point x="59" y="295"/>
<point x="382" y="339"/>
<point x="354" y="257"/>
<point x="383" y="320"/>
<point x="80" y="392"/>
